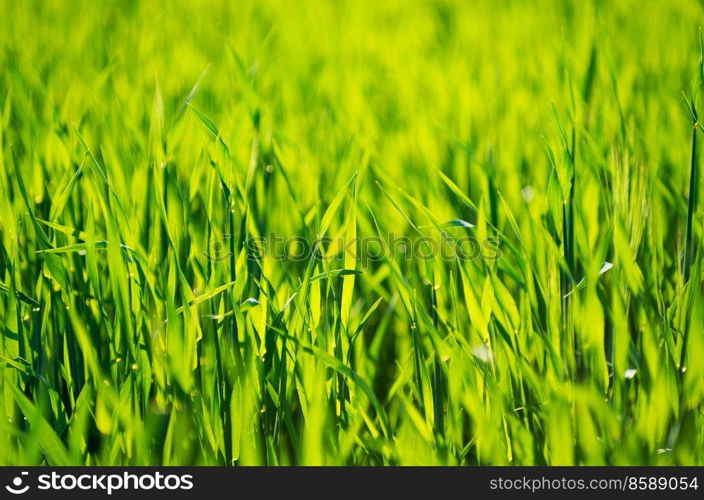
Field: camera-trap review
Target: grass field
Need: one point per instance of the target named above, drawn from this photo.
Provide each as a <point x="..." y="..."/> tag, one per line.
<point x="353" y="233"/>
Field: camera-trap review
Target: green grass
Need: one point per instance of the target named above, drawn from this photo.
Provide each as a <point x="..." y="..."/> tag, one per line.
<point x="145" y="147"/>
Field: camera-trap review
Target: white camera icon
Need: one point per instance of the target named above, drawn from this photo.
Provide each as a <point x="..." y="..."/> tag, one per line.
<point x="17" y="488"/>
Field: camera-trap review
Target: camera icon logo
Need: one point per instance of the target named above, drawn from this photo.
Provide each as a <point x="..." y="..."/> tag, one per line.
<point x="16" y="488"/>
<point x="219" y="251"/>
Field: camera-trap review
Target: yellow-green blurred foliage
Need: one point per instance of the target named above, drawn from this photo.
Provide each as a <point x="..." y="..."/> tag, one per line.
<point x="145" y="145"/>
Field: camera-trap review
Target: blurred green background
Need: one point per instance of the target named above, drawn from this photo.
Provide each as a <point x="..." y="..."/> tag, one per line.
<point x="134" y="135"/>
